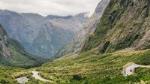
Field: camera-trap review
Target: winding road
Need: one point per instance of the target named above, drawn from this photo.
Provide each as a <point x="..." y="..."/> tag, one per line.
<point x="35" y="74"/>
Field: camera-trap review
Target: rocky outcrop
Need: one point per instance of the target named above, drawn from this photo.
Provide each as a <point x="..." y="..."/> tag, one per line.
<point x="124" y="24"/>
<point x="5" y="51"/>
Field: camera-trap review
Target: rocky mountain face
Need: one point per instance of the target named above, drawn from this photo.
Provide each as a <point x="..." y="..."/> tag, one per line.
<point x="89" y="27"/>
<point x="124" y="24"/>
<point x="5" y="51"/>
<point x="41" y="36"/>
<point x="91" y="24"/>
<point x="11" y="52"/>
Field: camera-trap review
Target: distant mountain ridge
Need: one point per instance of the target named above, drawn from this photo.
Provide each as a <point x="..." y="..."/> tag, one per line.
<point x="41" y="36"/>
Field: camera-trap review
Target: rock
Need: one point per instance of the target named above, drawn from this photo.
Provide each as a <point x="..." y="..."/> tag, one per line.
<point x="22" y="80"/>
<point x="3" y="43"/>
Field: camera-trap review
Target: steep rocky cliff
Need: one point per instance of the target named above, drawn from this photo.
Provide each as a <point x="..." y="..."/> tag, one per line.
<point x="124" y="24"/>
<point x="5" y="51"/>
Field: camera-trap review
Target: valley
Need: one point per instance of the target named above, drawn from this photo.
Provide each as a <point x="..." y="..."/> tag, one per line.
<point x="88" y="68"/>
<point x="110" y="47"/>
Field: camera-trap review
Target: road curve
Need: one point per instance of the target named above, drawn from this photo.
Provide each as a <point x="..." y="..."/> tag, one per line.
<point x="35" y="74"/>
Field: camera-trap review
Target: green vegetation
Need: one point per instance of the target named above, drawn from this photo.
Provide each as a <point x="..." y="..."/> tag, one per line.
<point x="116" y="31"/>
<point x="5" y="75"/>
<point x="92" y="68"/>
<point x="110" y="17"/>
<point x="13" y="54"/>
<point x="122" y="25"/>
<point x="86" y="68"/>
<point x="21" y="58"/>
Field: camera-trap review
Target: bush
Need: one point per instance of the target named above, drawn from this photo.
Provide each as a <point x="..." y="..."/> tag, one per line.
<point x="77" y="77"/>
<point x="2" y="81"/>
<point x="144" y="59"/>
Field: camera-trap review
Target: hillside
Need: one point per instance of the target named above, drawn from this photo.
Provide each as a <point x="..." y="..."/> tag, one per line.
<point x="12" y="54"/>
<point x="75" y="46"/>
<point x="42" y="36"/>
<point x="122" y="34"/>
<point x="121" y="37"/>
<point x="90" y="68"/>
<point x="87" y="68"/>
<point x="125" y="23"/>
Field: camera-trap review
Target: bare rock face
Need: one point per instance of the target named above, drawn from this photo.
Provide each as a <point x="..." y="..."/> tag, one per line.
<point x="5" y="51"/>
<point x="124" y="24"/>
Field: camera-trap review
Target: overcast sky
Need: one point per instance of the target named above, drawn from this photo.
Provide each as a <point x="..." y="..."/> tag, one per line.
<point x="50" y="7"/>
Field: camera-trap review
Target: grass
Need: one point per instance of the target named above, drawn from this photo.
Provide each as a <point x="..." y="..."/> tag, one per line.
<point x="86" y="68"/>
<point x="89" y="68"/>
<point x="115" y="31"/>
<point x="19" y="57"/>
<point x="5" y="75"/>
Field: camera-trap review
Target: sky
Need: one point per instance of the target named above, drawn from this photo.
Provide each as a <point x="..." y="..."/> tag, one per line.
<point x="50" y="7"/>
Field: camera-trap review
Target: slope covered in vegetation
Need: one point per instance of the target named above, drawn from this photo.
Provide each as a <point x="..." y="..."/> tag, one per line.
<point x="122" y="36"/>
<point x="13" y="54"/>
<point x="88" y="68"/>
<point x="124" y="24"/>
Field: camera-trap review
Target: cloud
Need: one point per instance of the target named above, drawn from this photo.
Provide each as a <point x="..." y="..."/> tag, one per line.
<point x="47" y="7"/>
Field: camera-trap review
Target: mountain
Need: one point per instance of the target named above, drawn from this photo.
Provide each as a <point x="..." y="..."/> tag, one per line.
<point x="75" y="46"/>
<point x="125" y="24"/>
<point x="41" y="36"/>
<point x="12" y="53"/>
<point x="121" y="37"/>
<point x="92" y="22"/>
